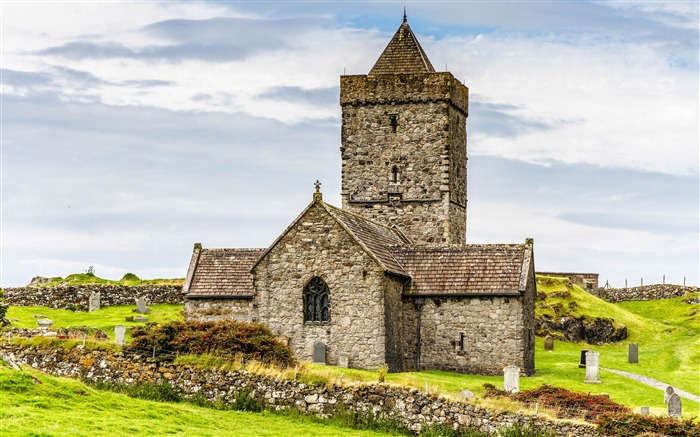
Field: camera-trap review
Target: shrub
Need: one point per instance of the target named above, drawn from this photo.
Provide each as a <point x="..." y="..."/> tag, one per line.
<point x="252" y="341"/>
<point x="630" y="425"/>
<point x="3" y="310"/>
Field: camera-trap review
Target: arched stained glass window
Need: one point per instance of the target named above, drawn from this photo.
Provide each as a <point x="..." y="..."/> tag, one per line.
<point x="316" y="301"/>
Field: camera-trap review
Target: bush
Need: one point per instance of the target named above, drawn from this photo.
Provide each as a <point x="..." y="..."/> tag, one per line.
<point x="252" y="341"/>
<point x="3" y="310"/>
<point x="568" y="404"/>
<point x="630" y="425"/>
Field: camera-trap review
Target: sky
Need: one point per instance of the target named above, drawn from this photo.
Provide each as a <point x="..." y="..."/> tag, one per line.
<point x="132" y="130"/>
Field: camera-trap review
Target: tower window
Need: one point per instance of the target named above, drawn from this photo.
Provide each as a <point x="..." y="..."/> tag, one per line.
<point x="394" y="174"/>
<point x="316" y="301"/>
<point x="394" y="122"/>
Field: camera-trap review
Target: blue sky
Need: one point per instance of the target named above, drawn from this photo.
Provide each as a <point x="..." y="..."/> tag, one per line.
<point x="132" y="130"/>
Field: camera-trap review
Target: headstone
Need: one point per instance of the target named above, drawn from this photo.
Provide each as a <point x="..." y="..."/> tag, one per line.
<point x="281" y="339"/>
<point x="644" y="411"/>
<point x="633" y="353"/>
<point x="511" y="379"/>
<point x="44" y="323"/>
<point x="592" y="368"/>
<point x="319" y="353"/>
<point x="467" y="394"/>
<point x="120" y="335"/>
<point x="667" y="393"/>
<point x="141" y="306"/>
<point x="141" y="319"/>
<point x="674" y="406"/>
<point x="343" y="360"/>
<point x="582" y="362"/>
<point x="94" y="303"/>
<point x="549" y="343"/>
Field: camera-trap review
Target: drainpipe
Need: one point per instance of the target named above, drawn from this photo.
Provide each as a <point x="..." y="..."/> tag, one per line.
<point x="418" y="303"/>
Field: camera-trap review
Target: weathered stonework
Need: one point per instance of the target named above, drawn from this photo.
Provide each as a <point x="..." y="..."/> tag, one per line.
<point x="77" y="297"/>
<point x="646" y="292"/>
<point x="409" y="407"/>
<point x="319" y="246"/>
<point x="206" y="310"/>
<point x="404" y="153"/>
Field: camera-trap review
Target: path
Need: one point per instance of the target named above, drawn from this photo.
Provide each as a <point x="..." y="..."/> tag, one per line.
<point x="654" y="383"/>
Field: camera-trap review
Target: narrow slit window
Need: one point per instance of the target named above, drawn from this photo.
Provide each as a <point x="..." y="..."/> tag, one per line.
<point x="394" y="174"/>
<point x="394" y="122"/>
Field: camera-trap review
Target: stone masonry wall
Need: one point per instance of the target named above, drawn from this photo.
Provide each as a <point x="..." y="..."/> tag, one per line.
<point x="77" y="297"/>
<point x="410" y="407"/>
<point x="490" y="330"/>
<point x="646" y="292"/>
<point x="318" y="246"/>
<point x="209" y="310"/>
<point x="427" y="146"/>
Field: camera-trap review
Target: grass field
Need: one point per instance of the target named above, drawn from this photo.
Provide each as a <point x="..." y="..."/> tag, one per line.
<point x="90" y="278"/>
<point x="35" y="404"/>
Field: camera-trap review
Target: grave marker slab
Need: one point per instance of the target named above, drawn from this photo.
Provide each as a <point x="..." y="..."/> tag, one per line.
<point x="633" y="353"/>
<point x="667" y="393"/>
<point x="319" y="353"/>
<point x="511" y="379"/>
<point x="548" y="343"/>
<point x="674" y="406"/>
<point x="141" y="306"/>
<point x="582" y="362"/>
<point x="343" y="360"/>
<point x="140" y="319"/>
<point x="644" y="411"/>
<point x="120" y="335"/>
<point x="94" y="303"/>
<point x="592" y="368"/>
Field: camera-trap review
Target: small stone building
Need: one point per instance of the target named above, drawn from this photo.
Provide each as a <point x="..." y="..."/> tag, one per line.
<point x="388" y="278"/>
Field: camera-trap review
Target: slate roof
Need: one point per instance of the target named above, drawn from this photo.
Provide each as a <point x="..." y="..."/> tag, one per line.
<point x="377" y="239"/>
<point x="223" y="273"/>
<point x="473" y="269"/>
<point x="403" y="54"/>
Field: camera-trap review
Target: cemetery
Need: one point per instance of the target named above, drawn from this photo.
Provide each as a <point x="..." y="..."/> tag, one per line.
<point x="579" y="367"/>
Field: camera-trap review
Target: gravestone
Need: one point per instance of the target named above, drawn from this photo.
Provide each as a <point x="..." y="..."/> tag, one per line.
<point x="120" y="335"/>
<point x="319" y="353"/>
<point x="44" y="324"/>
<point x="549" y="343"/>
<point x="633" y="353"/>
<point x="674" y="406"/>
<point x="592" y="368"/>
<point x="667" y="393"/>
<point x="582" y="362"/>
<point x="644" y="411"/>
<point x="94" y="303"/>
<point x="141" y="319"/>
<point x="343" y="360"/>
<point x="511" y="379"/>
<point x="281" y="339"/>
<point x="141" y="306"/>
<point x="467" y="394"/>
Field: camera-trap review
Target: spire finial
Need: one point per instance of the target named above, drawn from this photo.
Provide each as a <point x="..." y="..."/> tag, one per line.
<point x="404" y="14"/>
<point x="317" y="195"/>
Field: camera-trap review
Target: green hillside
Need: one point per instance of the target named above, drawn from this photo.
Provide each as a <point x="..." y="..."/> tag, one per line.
<point x="90" y="278"/>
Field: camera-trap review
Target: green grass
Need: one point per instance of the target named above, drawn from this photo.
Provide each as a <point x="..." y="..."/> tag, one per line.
<point x="106" y="318"/>
<point x="89" y="278"/>
<point x="35" y="404"/>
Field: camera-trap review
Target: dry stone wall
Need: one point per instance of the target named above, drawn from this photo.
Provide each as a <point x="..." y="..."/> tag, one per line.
<point x="412" y="408"/>
<point x="210" y="310"/>
<point x="646" y="292"/>
<point x="77" y="297"/>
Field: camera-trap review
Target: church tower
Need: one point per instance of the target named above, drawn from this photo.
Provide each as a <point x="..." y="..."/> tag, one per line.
<point x="404" y="144"/>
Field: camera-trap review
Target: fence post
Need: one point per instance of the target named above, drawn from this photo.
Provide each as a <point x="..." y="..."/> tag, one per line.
<point x="664" y="280"/>
<point x="684" y="281"/>
<point x="641" y="282"/>
<point x="154" y="351"/>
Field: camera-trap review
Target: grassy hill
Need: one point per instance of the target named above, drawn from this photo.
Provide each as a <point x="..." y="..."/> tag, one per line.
<point x="90" y="278"/>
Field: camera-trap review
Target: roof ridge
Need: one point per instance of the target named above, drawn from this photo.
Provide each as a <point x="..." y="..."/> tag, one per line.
<point x="396" y="232"/>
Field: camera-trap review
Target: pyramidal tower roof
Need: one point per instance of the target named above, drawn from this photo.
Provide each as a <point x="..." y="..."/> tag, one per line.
<point x="403" y="54"/>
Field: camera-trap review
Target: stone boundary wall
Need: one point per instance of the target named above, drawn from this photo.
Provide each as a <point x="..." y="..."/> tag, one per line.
<point x="77" y="297"/>
<point x="646" y="292"/>
<point x="409" y="406"/>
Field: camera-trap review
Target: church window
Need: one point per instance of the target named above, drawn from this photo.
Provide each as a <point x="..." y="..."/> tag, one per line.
<point x="394" y="174"/>
<point x="394" y="121"/>
<point x="316" y="301"/>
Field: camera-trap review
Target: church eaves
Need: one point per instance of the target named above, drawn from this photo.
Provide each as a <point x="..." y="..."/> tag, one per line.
<point x="403" y="55"/>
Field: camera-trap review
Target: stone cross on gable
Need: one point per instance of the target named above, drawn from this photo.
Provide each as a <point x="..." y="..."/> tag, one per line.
<point x="317" y="195"/>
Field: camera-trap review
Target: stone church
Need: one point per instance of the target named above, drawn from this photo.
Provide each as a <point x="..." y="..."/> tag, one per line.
<point x="387" y="278"/>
